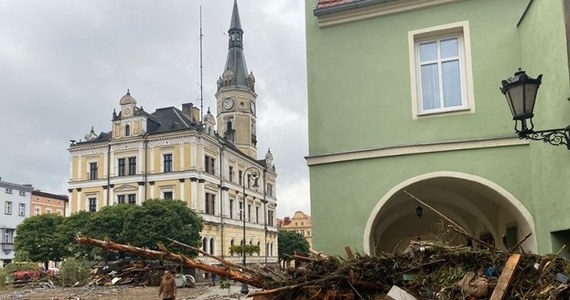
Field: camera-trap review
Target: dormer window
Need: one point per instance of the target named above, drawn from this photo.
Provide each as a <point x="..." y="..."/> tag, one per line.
<point x="127" y="130"/>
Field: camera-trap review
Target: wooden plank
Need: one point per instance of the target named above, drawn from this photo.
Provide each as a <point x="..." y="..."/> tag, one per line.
<point x="348" y="252"/>
<point x="505" y="279"/>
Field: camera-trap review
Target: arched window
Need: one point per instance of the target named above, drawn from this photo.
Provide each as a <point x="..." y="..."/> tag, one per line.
<point x="127" y="130"/>
<point x="212" y="246"/>
<point x="205" y="244"/>
<point x="259" y="247"/>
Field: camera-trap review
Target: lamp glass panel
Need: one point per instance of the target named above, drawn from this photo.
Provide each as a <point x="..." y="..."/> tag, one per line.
<point x="530" y="97"/>
<point x="516" y="101"/>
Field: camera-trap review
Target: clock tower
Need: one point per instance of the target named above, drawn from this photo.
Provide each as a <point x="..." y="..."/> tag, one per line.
<point x="236" y="97"/>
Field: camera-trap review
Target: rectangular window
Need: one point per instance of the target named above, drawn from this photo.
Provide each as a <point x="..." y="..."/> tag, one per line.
<point x="132" y="165"/>
<point x="8" y="236"/>
<point x="48" y="210"/>
<point x="270" y="189"/>
<point x="132" y="199"/>
<point x="270" y="217"/>
<point x="440" y="69"/>
<point x="22" y="193"/>
<point x="241" y="211"/>
<point x="257" y="214"/>
<point x="22" y="209"/>
<point x="8" y="208"/>
<point x="37" y="210"/>
<point x="167" y="158"/>
<point x="167" y="195"/>
<point x="120" y="199"/>
<point x="210" y="165"/>
<point x="440" y="75"/>
<point x="249" y="212"/>
<point x="8" y="191"/>
<point x="231" y="173"/>
<point x="92" y="204"/>
<point x="210" y="204"/>
<point x="231" y="208"/>
<point x="92" y="171"/>
<point x="121" y="162"/>
<point x="240" y="176"/>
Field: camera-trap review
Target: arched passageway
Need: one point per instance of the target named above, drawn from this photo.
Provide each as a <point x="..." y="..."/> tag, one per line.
<point x="485" y="209"/>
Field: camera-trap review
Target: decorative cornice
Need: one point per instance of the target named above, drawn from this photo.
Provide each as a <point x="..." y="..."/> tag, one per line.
<point x="361" y="10"/>
<point x="415" y="149"/>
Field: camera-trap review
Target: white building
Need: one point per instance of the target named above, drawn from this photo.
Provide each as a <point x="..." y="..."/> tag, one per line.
<point x="15" y="202"/>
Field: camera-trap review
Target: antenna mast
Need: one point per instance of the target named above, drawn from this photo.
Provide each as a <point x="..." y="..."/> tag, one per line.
<point x="201" y="86"/>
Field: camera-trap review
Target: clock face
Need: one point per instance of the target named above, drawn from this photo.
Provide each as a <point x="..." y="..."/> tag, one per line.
<point x="252" y="106"/>
<point x="228" y="103"/>
<point x="127" y="111"/>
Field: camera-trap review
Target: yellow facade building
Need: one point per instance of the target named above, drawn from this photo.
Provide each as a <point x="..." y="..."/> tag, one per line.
<point x="299" y="223"/>
<point x="172" y="153"/>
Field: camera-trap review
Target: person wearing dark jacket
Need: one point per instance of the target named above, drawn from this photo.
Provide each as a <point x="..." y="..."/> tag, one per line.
<point x="167" y="287"/>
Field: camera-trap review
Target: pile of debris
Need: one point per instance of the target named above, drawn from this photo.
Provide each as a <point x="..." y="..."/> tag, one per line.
<point x="428" y="271"/>
<point x="127" y="272"/>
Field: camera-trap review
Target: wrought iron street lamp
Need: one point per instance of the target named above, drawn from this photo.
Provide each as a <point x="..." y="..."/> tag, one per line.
<point x="254" y="174"/>
<point x="520" y="92"/>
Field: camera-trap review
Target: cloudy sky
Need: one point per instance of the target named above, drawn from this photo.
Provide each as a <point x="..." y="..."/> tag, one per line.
<point x="64" y="65"/>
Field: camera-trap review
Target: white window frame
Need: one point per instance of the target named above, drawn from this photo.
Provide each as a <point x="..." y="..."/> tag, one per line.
<point x="441" y="32"/>
<point x="8" y="207"/>
<point x="22" y="209"/>
<point x="37" y="210"/>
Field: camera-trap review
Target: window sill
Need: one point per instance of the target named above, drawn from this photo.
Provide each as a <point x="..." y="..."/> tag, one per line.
<point x="442" y="113"/>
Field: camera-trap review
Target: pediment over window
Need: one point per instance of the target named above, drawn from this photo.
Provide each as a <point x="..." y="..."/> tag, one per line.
<point x="126" y="188"/>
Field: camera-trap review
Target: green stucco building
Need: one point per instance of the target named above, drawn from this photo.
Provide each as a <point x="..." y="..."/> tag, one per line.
<point x="404" y="96"/>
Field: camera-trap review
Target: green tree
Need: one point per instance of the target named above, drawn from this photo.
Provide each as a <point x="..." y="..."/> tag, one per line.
<point x="108" y="223"/>
<point x="66" y="232"/>
<point x="157" y="220"/>
<point x="36" y="235"/>
<point x="289" y="243"/>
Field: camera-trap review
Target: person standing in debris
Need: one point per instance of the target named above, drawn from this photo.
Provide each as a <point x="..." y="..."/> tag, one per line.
<point x="213" y="279"/>
<point x="167" y="286"/>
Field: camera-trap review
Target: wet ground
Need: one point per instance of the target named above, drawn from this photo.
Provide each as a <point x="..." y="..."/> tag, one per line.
<point x="201" y="291"/>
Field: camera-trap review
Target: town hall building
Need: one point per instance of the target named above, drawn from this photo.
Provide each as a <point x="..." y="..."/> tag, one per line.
<point x="183" y="153"/>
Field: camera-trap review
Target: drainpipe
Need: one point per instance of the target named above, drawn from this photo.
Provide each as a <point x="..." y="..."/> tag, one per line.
<point x="222" y="201"/>
<point x="265" y="210"/>
<point x="108" y="172"/>
<point x="145" y="176"/>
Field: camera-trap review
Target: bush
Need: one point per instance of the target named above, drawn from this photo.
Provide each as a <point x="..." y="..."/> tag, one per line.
<point x="74" y="271"/>
<point x="5" y="279"/>
<point x="21" y="266"/>
<point x="249" y="249"/>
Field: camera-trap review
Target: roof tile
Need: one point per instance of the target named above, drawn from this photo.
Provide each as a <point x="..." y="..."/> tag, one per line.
<point x="332" y="3"/>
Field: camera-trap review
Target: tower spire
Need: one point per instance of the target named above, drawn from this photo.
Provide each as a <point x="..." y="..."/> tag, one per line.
<point x="235" y="73"/>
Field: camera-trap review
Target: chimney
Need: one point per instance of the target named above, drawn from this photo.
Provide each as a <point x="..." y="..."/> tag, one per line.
<point x="287" y="220"/>
<point x="187" y="109"/>
<point x="195" y="114"/>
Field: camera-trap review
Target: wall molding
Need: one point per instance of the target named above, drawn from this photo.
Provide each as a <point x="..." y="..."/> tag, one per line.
<point x="414" y="149"/>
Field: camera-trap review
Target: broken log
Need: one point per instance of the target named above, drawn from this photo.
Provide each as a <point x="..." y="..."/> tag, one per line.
<point x="167" y="255"/>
